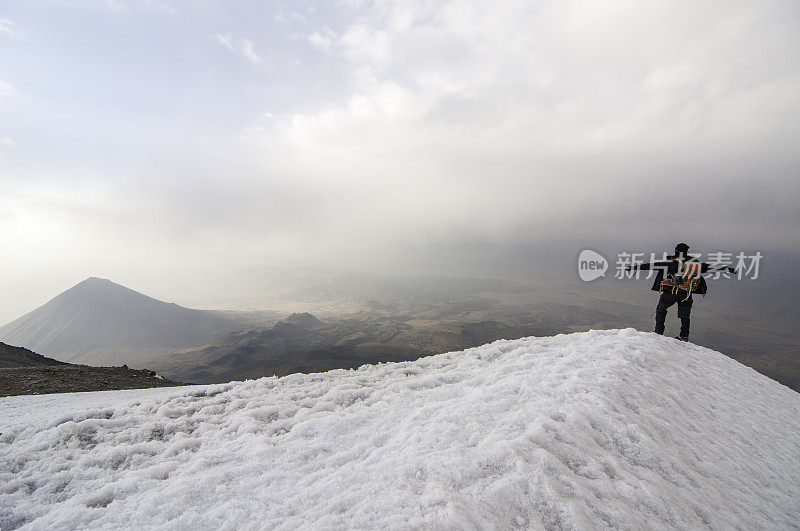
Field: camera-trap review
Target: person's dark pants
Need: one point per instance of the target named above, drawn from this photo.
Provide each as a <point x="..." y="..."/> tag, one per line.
<point x="666" y="300"/>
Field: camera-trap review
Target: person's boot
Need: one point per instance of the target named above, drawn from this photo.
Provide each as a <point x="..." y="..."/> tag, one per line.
<point x="661" y="317"/>
<point x="684" y="333"/>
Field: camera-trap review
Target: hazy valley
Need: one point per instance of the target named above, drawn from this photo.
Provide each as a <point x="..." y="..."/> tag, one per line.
<point x="323" y="320"/>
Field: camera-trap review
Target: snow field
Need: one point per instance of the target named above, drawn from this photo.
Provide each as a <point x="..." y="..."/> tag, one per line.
<point x="612" y="428"/>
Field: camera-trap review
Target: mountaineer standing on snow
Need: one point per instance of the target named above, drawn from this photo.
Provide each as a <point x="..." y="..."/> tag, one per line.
<point x="677" y="279"/>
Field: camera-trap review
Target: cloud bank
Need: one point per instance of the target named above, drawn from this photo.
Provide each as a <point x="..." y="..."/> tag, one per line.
<point x="361" y="130"/>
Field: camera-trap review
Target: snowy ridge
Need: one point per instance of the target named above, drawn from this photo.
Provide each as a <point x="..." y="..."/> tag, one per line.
<point x="612" y="428"/>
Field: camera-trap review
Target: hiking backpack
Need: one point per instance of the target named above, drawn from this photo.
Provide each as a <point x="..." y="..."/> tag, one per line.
<point x="686" y="281"/>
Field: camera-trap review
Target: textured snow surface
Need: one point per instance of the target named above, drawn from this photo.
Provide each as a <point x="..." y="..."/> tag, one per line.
<point x="600" y="429"/>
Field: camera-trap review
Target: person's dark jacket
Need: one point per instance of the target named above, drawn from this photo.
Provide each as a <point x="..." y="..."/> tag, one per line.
<point x="672" y="266"/>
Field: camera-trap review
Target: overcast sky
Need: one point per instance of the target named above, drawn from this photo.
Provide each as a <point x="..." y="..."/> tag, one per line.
<point x="152" y="141"/>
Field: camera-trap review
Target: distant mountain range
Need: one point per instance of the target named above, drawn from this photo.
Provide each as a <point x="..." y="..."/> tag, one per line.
<point x="303" y="343"/>
<point x="98" y="322"/>
<point x="371" y="319"/>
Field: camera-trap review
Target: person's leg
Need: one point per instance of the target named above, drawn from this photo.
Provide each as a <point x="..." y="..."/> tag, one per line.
<point x="684" y="312"/>
<point x="664" y="302"/>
